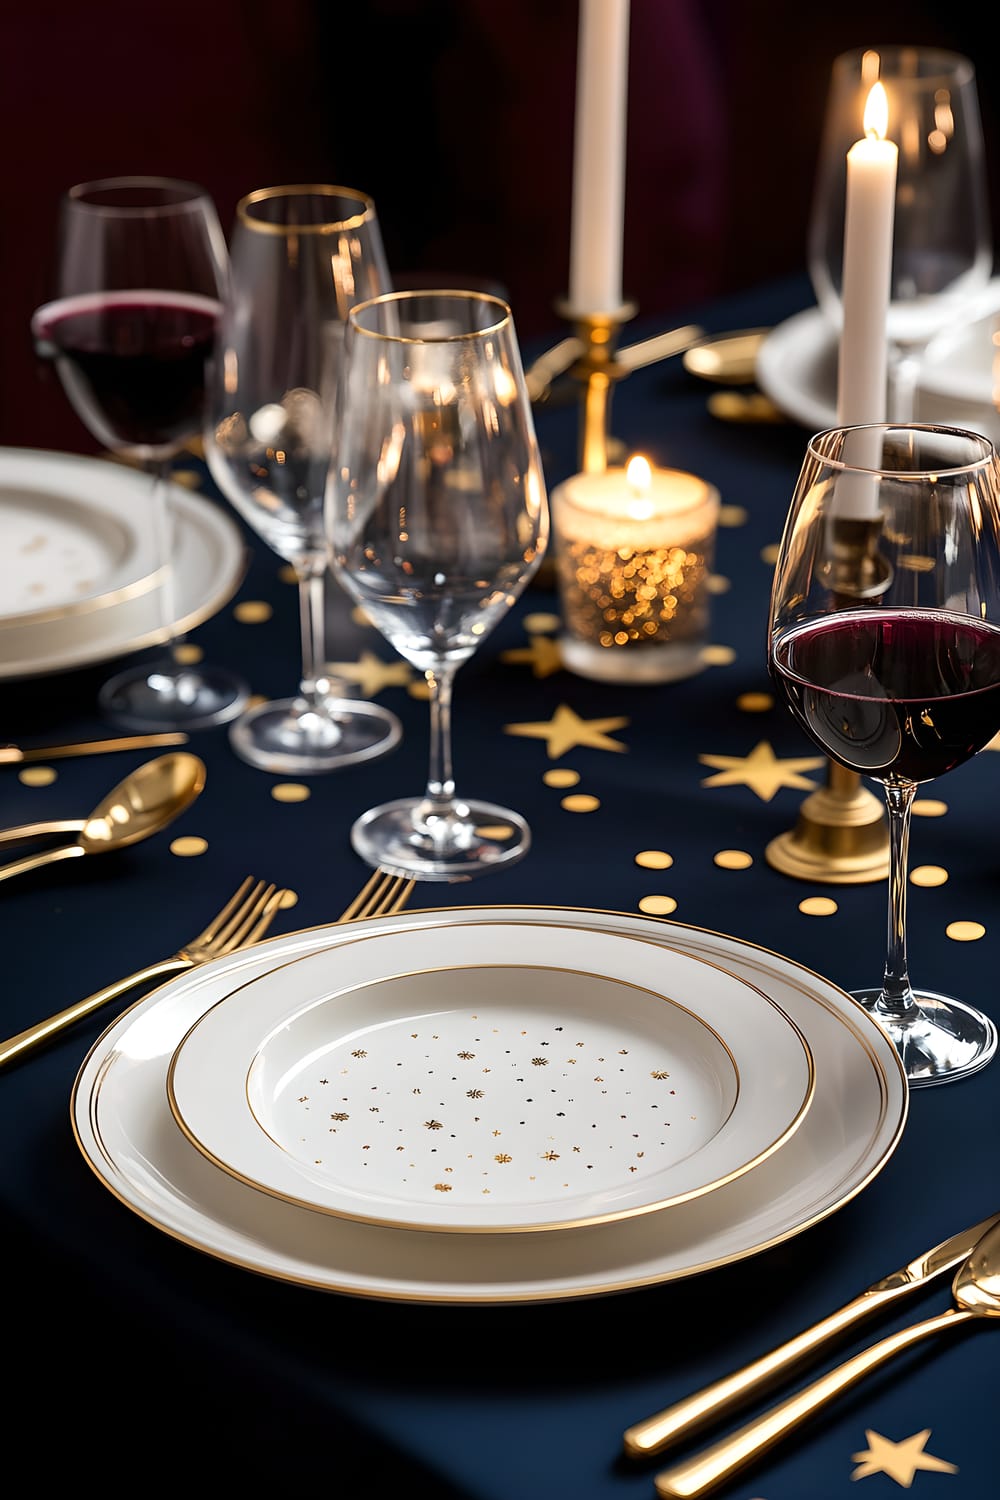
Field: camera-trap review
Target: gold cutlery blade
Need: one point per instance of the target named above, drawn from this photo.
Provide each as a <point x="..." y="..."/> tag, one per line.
<point x="715" y="1402"/>
<point x="13" y="755"/>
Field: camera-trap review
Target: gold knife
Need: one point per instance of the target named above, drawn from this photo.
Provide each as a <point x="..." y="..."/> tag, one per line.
<point x="13" y="755"/>
<point x="717" y="1401"/>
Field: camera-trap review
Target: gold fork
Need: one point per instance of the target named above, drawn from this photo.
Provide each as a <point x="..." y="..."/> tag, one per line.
<point x="243" y="920"/>
<point x="380" y="896"/>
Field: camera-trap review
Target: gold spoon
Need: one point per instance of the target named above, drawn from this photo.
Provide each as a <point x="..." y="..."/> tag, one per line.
<point x="726" y="358"/>
<point x="140" y="805"/>
<point x="976" y="1290"/>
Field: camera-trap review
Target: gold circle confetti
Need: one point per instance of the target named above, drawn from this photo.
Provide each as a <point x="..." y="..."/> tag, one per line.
<point x="188" y="654"/>
<point x="716" y="584"/>
<point x="733" y="859"/>
<point x="188" y="847"/>
<point x="732" y="515"/>
<point x="290" y="791"/>
<point x="540" y="622"/>
<point x="929" y="875"/>
<point x="495" y="831"/>
<point x="929" y="807"/>
<point x="717" y="656"/>
<point x="561" y="778"/>
<point x="654" y="859"/>
<point x="580" y="802"/>
<point x="769" y="554"/>
<point x="818" y="906"/>
<point x="965" y="932"/>
<point x="37" y="776"/>
<point x="252" y="612"/>
<point x="288" y="900"/>
<point x="287" y="574"/>
<point x="657" y="906"/>
<point x="754" y="703"/>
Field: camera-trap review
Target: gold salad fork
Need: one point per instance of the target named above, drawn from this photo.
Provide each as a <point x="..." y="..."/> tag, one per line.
<point x="380" y="896"/>
<point x="243" y="920"/>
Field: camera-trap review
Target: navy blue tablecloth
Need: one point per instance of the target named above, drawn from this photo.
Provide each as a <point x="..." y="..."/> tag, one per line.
<point x="132" y="1358"/>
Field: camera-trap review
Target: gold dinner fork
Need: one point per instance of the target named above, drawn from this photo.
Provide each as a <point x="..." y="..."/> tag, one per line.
<point x="380" y="896"/>
<point x="243" y="920"/>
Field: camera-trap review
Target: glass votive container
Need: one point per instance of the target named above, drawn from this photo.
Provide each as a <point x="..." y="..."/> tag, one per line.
<point x="634" y="548"/>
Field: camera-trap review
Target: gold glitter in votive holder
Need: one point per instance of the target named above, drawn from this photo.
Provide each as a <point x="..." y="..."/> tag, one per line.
<point x="634" y="551"/>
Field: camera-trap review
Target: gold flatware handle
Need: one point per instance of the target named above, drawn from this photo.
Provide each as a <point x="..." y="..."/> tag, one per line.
<point x="705" y="1471"/>
<point x="13" y="754"/>
<point x="35" y="861"/>
<point x="691" y="1415"/>
<point x="33" y="1036"/>
<point x="39" y="830"/>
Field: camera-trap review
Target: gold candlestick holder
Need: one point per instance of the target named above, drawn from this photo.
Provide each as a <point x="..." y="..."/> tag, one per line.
<point x="841" y="836"/>
<point x="597" y="370"/>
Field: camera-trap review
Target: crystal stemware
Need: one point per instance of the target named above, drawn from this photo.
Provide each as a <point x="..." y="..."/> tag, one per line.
<point x="140" y="273"/>
<point x="942" y="250"/>
<point x="885" y="645"/>
<point x="437" y="518"/>
<point x="301" y="256"/>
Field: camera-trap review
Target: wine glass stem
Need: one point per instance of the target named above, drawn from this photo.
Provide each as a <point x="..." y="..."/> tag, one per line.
<point x="896" y="1000"/>
<point x="440" y="778"/>
<point x="312" y="619"/>
<point x="159" y="472"/>
<point x="904" y="373"/>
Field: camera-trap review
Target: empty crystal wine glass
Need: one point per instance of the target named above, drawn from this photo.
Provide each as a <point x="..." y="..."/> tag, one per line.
<point x="300" y="257"/>
<point x="140" y="275"/>
<point x="885" y="644"/>
<point x="437" y="517"/>
<point x="942" y="249"/>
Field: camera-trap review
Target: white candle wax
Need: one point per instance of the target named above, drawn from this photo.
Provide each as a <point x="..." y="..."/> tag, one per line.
<point x="595" y="279"/>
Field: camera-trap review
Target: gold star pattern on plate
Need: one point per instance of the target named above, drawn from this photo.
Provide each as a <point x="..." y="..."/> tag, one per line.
<point x="371" y="674"/>
<point x="566" y="730"/>
<point x="543" y="655"/>
<point x="899" y="1460"/>
<point x="762" y="771"/>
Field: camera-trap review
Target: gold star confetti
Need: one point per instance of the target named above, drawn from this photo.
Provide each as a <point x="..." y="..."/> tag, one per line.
<point x="566" y="730"/>
<point x="543" y="655"/>
<point x="899" y="1460"/>
<point x="762" y="771"/>
<point x="371" y="674"/>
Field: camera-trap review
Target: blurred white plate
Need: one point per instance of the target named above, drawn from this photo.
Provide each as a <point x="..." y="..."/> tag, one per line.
<point x="491" y="1078"/>
<point x="70" y="537"/>
<point x="128" y="1137"/>
<point x="797" y="369"/>
<point x="208" y="561"/>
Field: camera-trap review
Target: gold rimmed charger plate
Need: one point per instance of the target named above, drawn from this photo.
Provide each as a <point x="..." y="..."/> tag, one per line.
<point x="474" y="1080"/>
<point x="127" y="1136"/>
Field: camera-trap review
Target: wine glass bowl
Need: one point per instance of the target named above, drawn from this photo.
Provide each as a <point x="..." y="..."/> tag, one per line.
<point x="300" y="257"/>
<point x="885" y="646"/>
<point x="141" y="268"/>
<point x="942" y="245"/>
<point x="437" y="519"/>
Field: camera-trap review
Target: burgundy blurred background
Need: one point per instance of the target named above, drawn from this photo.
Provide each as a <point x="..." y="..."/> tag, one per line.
<point x="457" y="116"/>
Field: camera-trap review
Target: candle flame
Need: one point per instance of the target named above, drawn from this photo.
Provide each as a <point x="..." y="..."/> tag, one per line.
<point x="876" y="113"/>
<point x="639" y="476"/>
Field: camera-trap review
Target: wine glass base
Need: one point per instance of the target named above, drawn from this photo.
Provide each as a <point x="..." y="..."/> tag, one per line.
<point x="945" y="1038"/>
<point x="411" y="837"/>
<point x="293" y="738"/>
<point x="165" y="695"/>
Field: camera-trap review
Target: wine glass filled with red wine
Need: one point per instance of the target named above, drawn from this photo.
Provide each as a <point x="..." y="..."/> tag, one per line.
<point x="141" y="270"/>
<point x="885" y="645"/>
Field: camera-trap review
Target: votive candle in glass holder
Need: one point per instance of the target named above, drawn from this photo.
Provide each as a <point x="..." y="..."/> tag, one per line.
<point x="634" y="548"/>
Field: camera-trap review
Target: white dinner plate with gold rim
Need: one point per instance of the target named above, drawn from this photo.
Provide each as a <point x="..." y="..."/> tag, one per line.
<point x="70" y="537"/>
<point x="208" y="562"/>
<point x="491" y="1077"/>
<point x="123" y="1126"/>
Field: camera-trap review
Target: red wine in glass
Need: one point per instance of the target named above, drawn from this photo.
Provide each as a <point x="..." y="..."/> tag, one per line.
<point x="132" y="363"/>
<point x="900" y="695"/>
